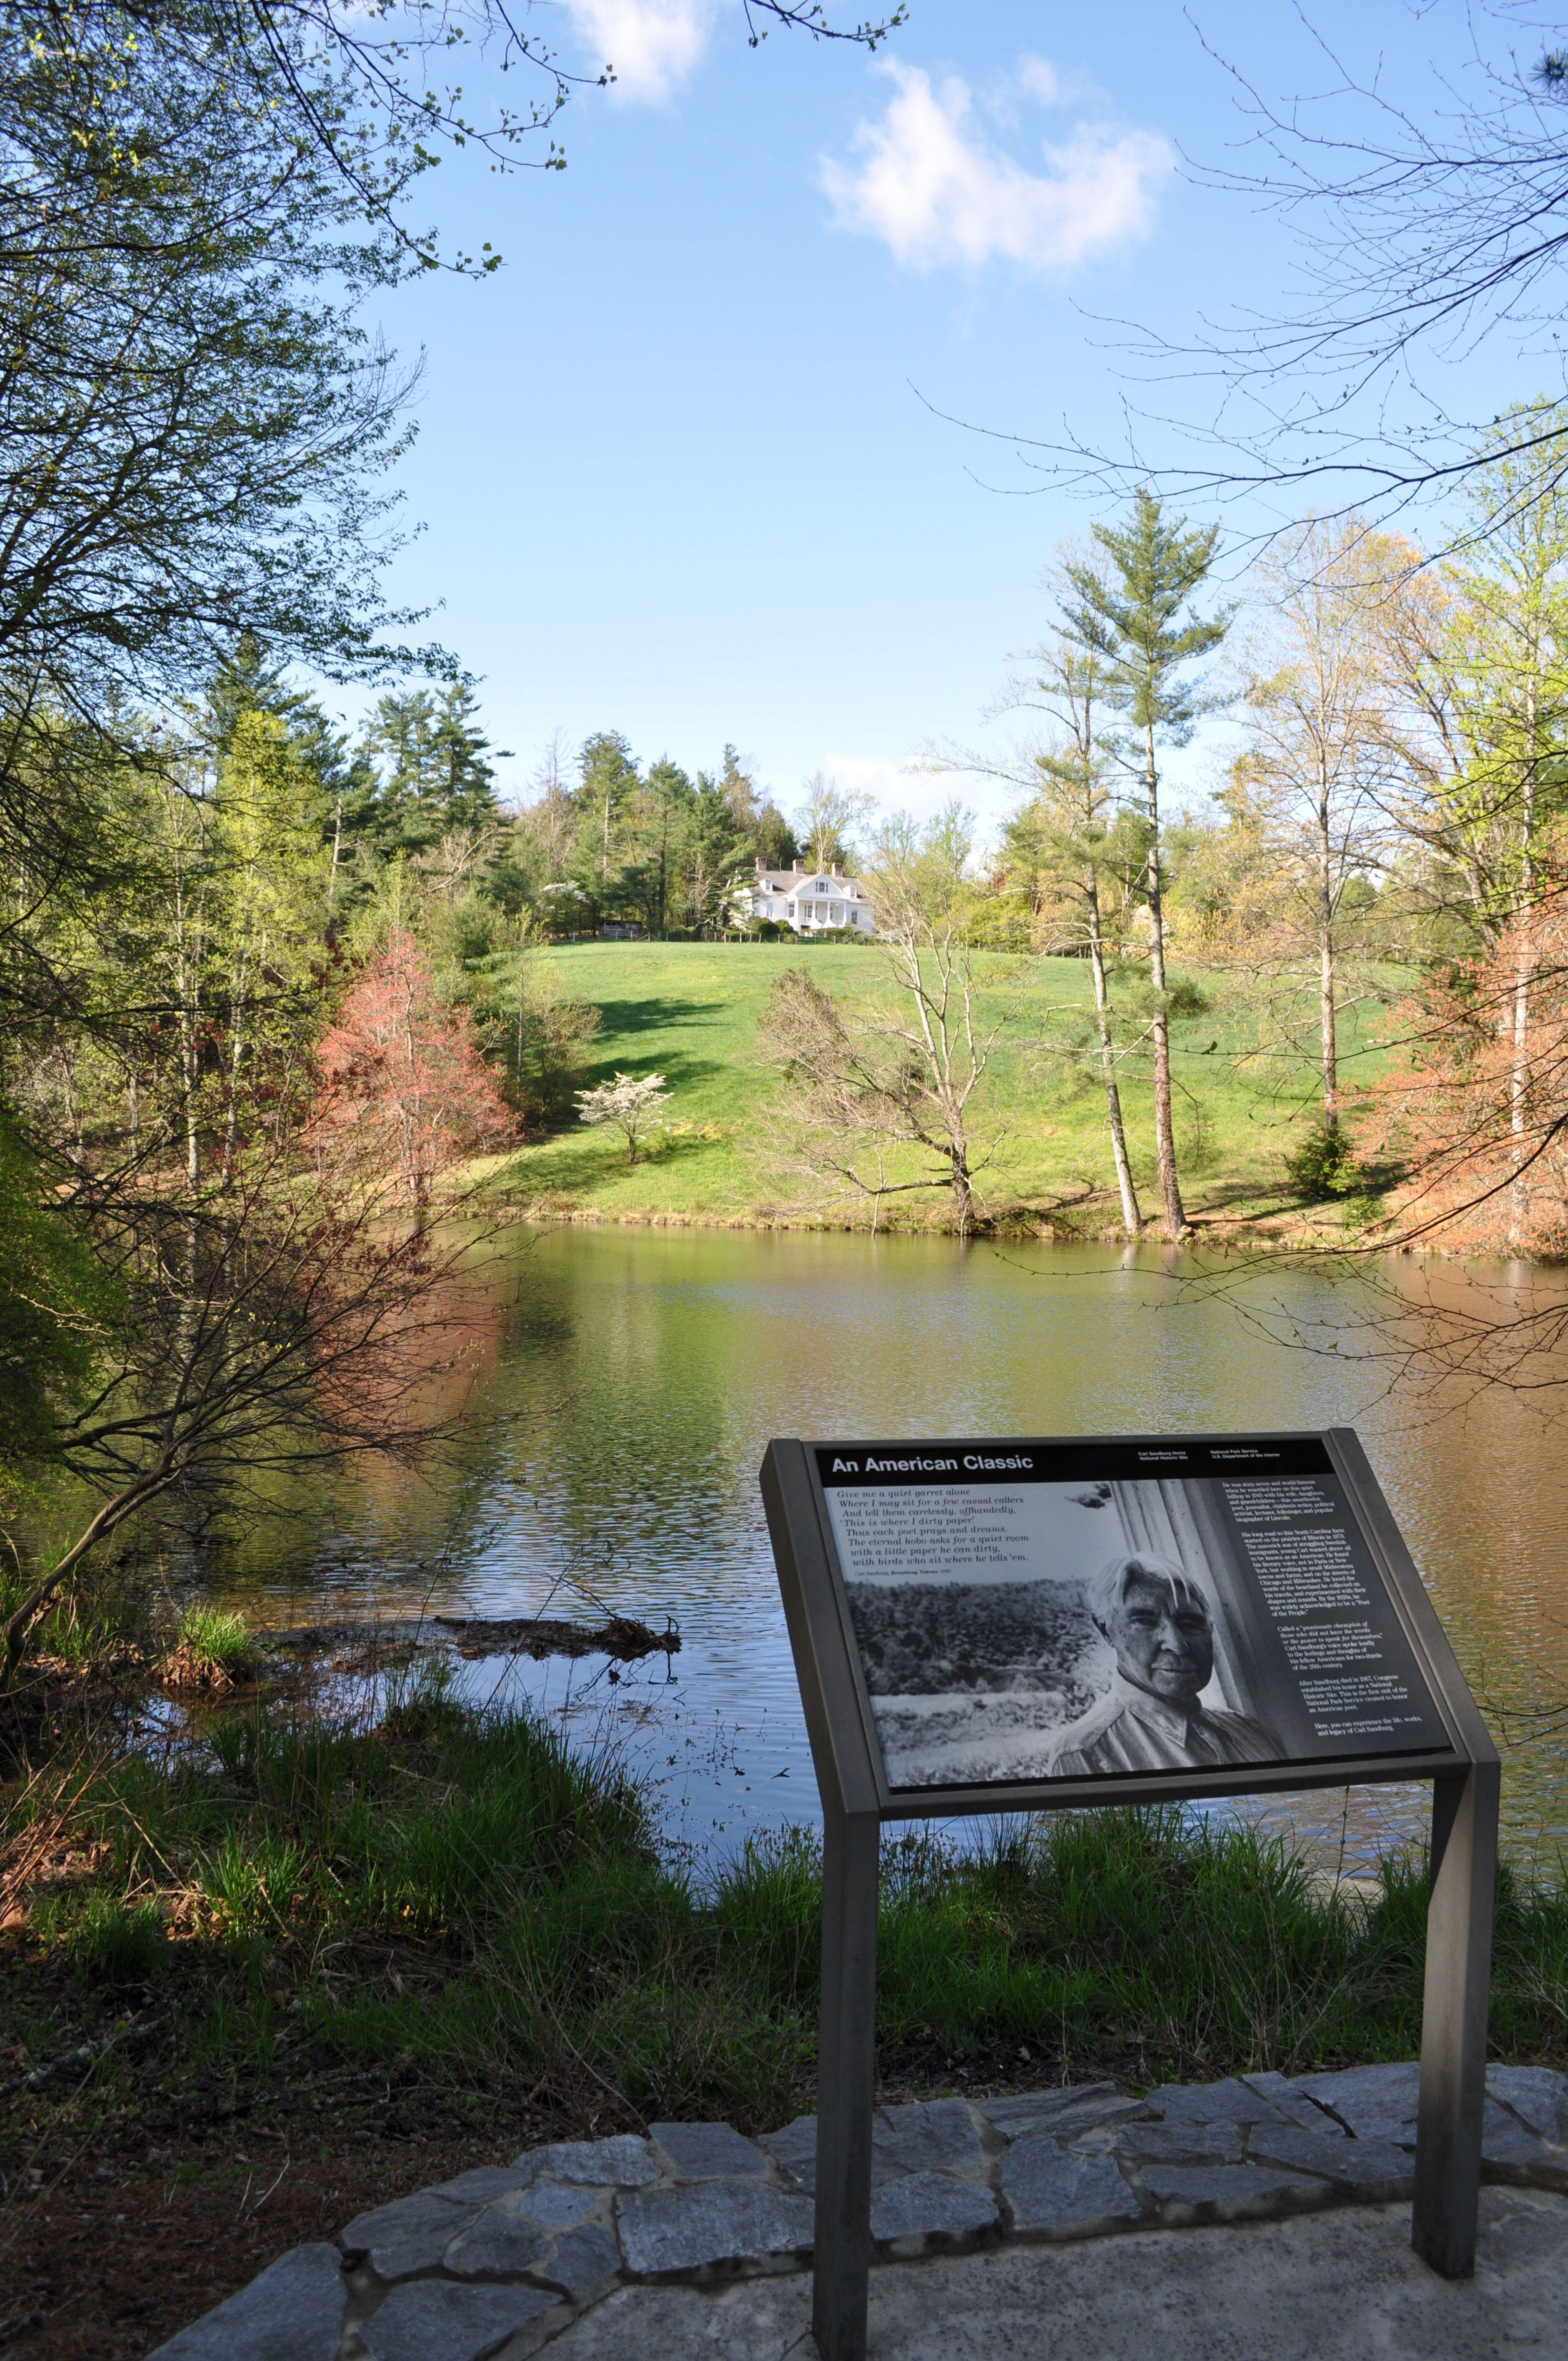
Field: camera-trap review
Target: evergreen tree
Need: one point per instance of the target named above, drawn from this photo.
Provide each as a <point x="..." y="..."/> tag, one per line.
<point x="672" y="801"/>
<point x="430" y="772"/>
<point x="244" y="682"/>
<point x="463" y="781"/>
<point x="609" y="787"/>
<point x="773" y="842"/>
<point x="716" y="852"/>
<point x="1070" y="836"/>
<point x="1133" y="615"/>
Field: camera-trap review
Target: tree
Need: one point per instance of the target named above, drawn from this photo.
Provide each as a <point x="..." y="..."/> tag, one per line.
<point x="1480" y="1133"/>
<point x="1476" y="657"/>
<point x="530" y="1031"/>
<point x="54" y="1302"/>
<point x="1432" y="223"/>
<point x="1070" y="818"/>
<point x="906" y="1078"/>
<point x="196" y="202"/>
<point x="716" y="850"/>
<point x="1133" y="614"/>
<point x="270" y="881"/>
<point x="434" y="777"/>
<point x="291" y="1326"/>
<point x="1320" y="731"/>
<point x="403" y="1088"/>
<point x="828" y="818"/>
<point x="670" y="798"/>
<point x="611" y="783"/>
<point x="627" y="1101"/>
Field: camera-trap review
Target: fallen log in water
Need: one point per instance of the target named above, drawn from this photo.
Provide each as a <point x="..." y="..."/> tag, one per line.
<point x="622" y="1637"/>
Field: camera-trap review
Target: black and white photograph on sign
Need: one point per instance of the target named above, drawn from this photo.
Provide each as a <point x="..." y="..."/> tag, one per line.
<point x="1107" y="1628"/>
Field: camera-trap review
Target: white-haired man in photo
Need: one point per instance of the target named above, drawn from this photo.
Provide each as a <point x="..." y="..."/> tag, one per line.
<point x="1157" y="1620"/>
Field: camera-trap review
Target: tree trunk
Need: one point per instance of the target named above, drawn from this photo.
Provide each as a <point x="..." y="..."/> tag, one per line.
<point x="18" y="1625"/>
<point x="190" y="1054"/>
<point x="1163" y="1132"/>
<point x="1326" y="1003"/>
<point x="237" y="1060"/>
<point x="1132" y="1214"/>
<point x="963" y="1188"/>
<point x="1524" y="976"/>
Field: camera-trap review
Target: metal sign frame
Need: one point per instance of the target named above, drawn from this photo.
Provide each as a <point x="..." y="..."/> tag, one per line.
<point x="857" y="1799"/>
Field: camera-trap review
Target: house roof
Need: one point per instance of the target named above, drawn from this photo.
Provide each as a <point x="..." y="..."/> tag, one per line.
<point x="810" y="881"/>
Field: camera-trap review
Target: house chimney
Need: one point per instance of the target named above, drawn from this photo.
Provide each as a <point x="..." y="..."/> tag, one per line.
<point x="757" y="864"/>
<point x="797" y="866"/>
<point x="835" y="871"/>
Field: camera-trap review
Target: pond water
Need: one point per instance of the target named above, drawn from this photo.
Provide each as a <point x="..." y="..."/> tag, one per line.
<point x="624" y="1384"/>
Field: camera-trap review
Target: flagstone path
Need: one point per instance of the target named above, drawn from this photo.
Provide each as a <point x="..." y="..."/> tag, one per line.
<point x="630" y="2248"/>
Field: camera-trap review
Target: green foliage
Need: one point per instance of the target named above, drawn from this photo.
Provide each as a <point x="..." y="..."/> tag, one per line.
<point x="55" y="1302"/>
<point x="423" y="775"/>
<point x="116" y="1942"/>
<point x="216" y="1638"/>
<point x="453" y="1895"/>
<point x="1130" y="613"/>
<point x="1323" y="1164"/>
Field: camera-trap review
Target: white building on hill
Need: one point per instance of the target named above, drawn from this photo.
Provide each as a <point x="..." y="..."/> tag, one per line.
<point x="809" y="900"/>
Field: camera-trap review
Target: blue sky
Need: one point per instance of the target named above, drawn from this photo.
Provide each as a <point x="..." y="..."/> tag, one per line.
<point x="680" y="466"/>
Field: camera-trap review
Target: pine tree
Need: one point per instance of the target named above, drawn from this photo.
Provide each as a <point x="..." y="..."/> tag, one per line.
<point x="1133" y="615"/>
<point x="610" y="783"/>
<point x="1071" y="833"/>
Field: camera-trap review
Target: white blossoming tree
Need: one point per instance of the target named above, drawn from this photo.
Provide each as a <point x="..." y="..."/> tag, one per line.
<point x="627" y="1102"/>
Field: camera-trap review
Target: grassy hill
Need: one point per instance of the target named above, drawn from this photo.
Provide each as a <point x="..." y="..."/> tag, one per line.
<point x="689" y="1010"/>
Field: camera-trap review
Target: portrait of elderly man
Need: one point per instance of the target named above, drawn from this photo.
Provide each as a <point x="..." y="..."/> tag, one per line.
<point x="1157" y="1620"/>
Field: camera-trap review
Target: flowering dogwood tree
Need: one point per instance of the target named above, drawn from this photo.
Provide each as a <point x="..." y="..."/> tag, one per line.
<point x="627" y="1102"/>
<point x="403" y="1086"/>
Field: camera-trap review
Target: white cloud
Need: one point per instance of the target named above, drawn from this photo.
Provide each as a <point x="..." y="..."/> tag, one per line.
<point x="929" y="182"/>
<point x="654" y="45"/>
<point x="1045" y="83"/>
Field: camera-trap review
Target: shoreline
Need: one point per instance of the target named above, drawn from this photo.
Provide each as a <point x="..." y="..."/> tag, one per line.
<point x="1009" y="1229"/>
<point x="253" y="1988"/>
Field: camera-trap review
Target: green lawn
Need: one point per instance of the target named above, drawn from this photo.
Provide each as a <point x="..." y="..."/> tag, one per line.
<point x="689" y="1010"/>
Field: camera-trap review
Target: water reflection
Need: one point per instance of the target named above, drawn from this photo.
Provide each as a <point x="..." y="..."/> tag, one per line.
<point x="624" y="1384"/>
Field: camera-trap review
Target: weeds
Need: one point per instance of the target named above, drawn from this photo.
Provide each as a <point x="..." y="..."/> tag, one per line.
<point x="452" y="1901"/>
<point x="212" y="1650"/>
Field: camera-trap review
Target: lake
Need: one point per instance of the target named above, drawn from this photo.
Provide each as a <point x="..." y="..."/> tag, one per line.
<point x="624" y="1383"/>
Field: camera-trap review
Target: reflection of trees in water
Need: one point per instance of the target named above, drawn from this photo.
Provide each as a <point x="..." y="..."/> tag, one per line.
<point x="628" y="1381"/>
<point x="636" y="1388"/>
<point x="410" y="1518"/>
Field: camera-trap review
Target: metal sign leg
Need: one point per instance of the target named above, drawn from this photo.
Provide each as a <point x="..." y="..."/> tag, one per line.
<point x="1453" y="2021"/>
<point x="846" y="2082"/>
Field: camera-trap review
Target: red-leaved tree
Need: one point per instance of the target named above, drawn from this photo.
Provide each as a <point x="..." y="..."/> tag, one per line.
<point x="403" y="1088"/>
<point x="1475" y="1106"/>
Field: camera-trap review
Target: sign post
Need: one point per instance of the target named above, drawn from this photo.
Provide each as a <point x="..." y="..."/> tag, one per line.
<point x="1031" y="1624"/>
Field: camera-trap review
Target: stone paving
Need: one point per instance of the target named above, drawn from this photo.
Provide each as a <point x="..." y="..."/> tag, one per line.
<point x="500" y="2261"/>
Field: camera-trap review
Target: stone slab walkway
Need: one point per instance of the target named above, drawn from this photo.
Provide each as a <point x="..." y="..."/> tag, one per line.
<point x="629" y="2249"/>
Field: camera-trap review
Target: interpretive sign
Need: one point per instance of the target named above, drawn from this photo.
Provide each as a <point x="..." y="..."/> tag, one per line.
<point x="1071" y="1611"/>
<point x="1033" y="1623"/>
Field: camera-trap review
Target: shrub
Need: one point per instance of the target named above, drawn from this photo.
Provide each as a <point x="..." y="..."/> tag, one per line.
<point x="1324" y="1165"/>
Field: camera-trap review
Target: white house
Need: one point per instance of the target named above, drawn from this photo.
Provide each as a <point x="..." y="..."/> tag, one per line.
<point x="806" y="899"/>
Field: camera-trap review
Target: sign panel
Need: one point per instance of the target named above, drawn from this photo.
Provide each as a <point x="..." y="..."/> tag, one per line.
<point x="1029" y="1612"/>
<point x="1035" y="1624"/>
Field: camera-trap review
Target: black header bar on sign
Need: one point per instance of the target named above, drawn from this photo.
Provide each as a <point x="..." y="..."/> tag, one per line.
<point x="845" y="1465"/>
